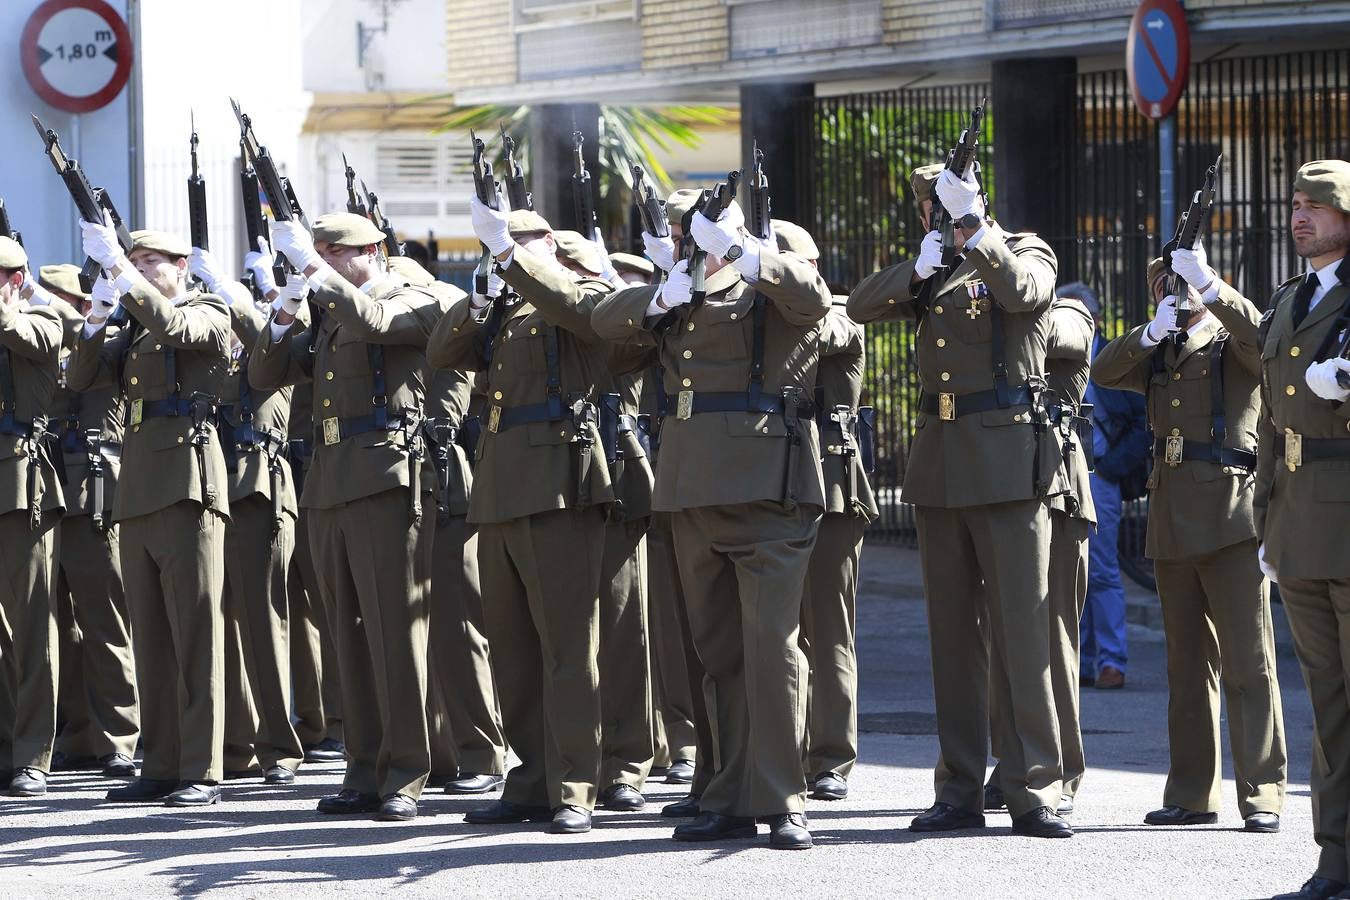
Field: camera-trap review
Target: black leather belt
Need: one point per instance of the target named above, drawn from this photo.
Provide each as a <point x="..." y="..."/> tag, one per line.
<point x="1175" y="450"/>
<point x="334" y="429"/>
<point x="691" y="403"/>
<point x="1295" y="449"/>
<point x="500" y="418"/>
<point x="949" y="407"/>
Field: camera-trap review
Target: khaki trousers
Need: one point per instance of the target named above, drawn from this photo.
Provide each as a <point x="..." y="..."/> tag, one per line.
<point x="173" y="565"/>
<point x="627" y="732"/>
<point x="466" y="727"/>
<point x="986" y="581"/>
<point x="672" y="697"/>
<point x="98" y="675"/>
<point x="541" y="581"/>
<point x="241" y="714"/>
<point x="314" y="669"/>
<point x="742" y="568"/>
<point x="28" y="646"/>
<point x="374" y="567"/>
<point x="829" y="623"/>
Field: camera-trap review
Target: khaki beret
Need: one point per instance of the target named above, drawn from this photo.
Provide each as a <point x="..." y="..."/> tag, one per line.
<point x="795" y="238"/>
<point x="347" y="230"/>
<point x="1156" y="269"/>
<point x="680" y="202"/>
<point x="63" y="277"/>
<point x="627" y="262"/>
<point x="160" y="242"/>
<point x="575" y="249"/>
<point x="922" y="179"/>
<point x="11" y="254"/>
<point x="1326" y="181"/>
<point x="527" y="221"/>
<point x="411" y="269"/>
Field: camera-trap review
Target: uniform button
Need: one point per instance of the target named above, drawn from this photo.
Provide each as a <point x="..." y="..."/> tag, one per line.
<point x="1291" y="390"/>
<point x="689" y="354"/>
<point x="135" y="355"/>
<point x="499" y="367"/>
<point x="140" y="302"/>
<point x="1204" y="371"/>
<point x="733" y="317"/>
<point x="1294" y="351"/>
<point x="159" y="346"/>
<point x="1176" y="376"/>
<point x="764" y="430"/>
<point x="938" y="310"/>
<point x="455" y="329"/>
<point x="942" y="342"/>
<point x="332" y="348"/>
<point x="994" y="264"/>
<point x="687" y="382"/>
<point x="497" y="395"/>
<point x="1176" y="432"/>
<point x="332" y="306"/>
<point x="562" y="434"/>
<point x="180" y="440"/>
<point x="630" y="321"/>
<point x="1176" y="402"/>
<point x="946" y="376"/>
<point x="891" y="301"/>
<point x="534" y="331"/>
<point x="328" y="375"/>
<point x="689" y="327"/>
<point x="135" y="380"/>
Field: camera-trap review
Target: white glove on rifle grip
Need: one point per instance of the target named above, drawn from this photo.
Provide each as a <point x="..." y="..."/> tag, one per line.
<point x="1266" y="568"/>
<point x="260" y="263"/>
<point x="660" y="250"/>
<point x="293" y="241"/>
<point x="1164" y="320"/>
<point x="490" y="225"/>
<point x="930" y="255"/>
<point x="103" y="299"/>
<point x="1321" y="378"/>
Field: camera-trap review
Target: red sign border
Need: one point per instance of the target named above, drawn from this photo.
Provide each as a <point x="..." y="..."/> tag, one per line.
<point x="28" y="50"/>
<point x="1174" y="11"/>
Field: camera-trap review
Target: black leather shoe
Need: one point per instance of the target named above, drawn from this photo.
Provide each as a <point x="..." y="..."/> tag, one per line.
<point x="349" y="802"/>
<point x="28" y="782"/>
<point x="1262" y="823"/>
<point x="326" y="750"/>
<point x="1176" y="815"/>
<point x="787" y="831"/>
<point x="993" y="798"/>
<point x="828" y="786"/>
<point x="194" y="794"/>
<point x="118" y="765"/>
<point x="64" y="762"/>
<point x="945" y="817"/>
<point x="681" y="771"/>
<point x="473" y="783"/>
<point x="711" y="826"/>
<point x="397" y="808"/>
<point x="279" y="775"/>
<point x="1065" y="807"/>
<point x="684" y="808"/>
<point x="504" y="812"/>
<point x="1315" y="888"/>
<point x="622" y="798"/>
<point x="142" y="790"/>
<point x="570" y="820"/>
<point x="1041" y="823"/>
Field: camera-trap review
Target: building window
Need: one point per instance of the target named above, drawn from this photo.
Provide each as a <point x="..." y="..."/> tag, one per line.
<point x="1027" y="13"/>
<point x="566" y="38"/>
<point x="424" y="178"/>
<point x="769" y="27"/>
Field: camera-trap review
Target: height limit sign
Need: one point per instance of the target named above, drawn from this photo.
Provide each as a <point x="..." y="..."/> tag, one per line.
<point x="76" y="54"/>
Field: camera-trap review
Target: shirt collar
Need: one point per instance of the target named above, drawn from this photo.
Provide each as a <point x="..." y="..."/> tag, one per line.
<point x="1327" y="274"/>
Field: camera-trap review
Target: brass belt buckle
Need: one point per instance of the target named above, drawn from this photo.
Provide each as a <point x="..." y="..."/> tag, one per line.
<point x="684" y="405"/>
<point x="494" y="418"/>
<point x="137" y="411"/>
<point x="1175" y="450"/>
<point x="947" y="407"/>
<point x="332" y="431"/>
<point x="1293" y="449"/>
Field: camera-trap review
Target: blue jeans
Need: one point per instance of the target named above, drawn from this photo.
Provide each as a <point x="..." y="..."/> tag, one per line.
<point x="1101" y="629"/>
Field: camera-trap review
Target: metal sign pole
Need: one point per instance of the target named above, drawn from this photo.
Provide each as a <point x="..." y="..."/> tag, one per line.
<point x="1167" y="192"/>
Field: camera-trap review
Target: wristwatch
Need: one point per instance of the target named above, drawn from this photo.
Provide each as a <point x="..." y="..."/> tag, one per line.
<point x="969" y="222"/>
<point x="734" y="252"/>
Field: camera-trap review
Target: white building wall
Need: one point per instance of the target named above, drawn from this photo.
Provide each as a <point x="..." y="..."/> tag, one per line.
<point x="409" y="56"/>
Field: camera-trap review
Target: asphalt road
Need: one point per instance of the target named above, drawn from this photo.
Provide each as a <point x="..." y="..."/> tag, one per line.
<point x="269" y="842"/>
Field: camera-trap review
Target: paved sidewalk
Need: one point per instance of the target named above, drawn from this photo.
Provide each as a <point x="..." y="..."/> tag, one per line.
<point x="269" y="842"/>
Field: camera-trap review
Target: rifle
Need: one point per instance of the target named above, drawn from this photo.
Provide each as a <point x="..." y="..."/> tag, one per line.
<point x="6" y="228"/>
<point x="757" y="202"/>
<point x="582" y="197"/>
<point x="485" y="186"/>
<point x="960" y="160"/>
<point x="715" y="204"/>
<point x="255" y="223"/>
<point x="392" y="247"/>
<point x="277" y="188"/>
<point x="1187" y="235"/>
<point x="651" y="209"/>
<point x="91" y="202"/>
<point x="196" y="196"/>
<point x="354" y="202"/>
<point x="519" y="197"/>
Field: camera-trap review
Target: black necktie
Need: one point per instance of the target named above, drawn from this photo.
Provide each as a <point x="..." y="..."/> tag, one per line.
<point x="1302" y="297"/>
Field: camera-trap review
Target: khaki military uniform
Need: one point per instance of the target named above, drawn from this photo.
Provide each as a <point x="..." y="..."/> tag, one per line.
<point x="30" y="510"/>
<point x="97" y="695"/>
<point x="370" y="497"/>
<point x="979" y="472"/>
<point x="829" y="602"/>
<point x="171" y="506"/>
<point x="739" y="472"/>
<point x="1202" y="539"/>
<point x="1302" y="511"/>
<point x="541" y="539"/>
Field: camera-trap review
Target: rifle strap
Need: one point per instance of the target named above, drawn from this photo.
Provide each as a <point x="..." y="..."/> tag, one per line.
<point x="998" y="348"/>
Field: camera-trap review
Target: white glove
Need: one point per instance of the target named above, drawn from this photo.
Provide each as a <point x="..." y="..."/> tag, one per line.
<point x="1164" y="320"/>
<point x="100" y="242"/>
<point x="606" y="266"/>
<point x="930" y="255"/>
<point x="260" y="263"/>
<point x="720" y="236"/>
<point x="1321" y="377"/>
<point x="660" y="250"/>
<point x="291" y="295"/>
<point x="490" y="225"/>
<point x="103" y="299"/>
<point x="231" y="292"/>
<point x="37" y="294"/>
<point x="205" y="266"/>
<point x="1266" y="568"/>
<point x="959" y="196"/>
<point x="293" y="241"/>
<point x="1194" y="268"/>
<point x="678" y="288"/>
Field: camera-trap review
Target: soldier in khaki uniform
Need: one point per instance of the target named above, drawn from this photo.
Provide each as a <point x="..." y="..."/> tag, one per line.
<point x="30" y="512"/>
<point x="739" y="472"/>
<point x="370" y="492"/>
<point x="980" y="486"/>
<point x="1302" y="500"/>
<point x="172" y="501"/>
<point x="97" y="692"/>
<point x="1203" y="408"/>
<point x="541" y="539"/>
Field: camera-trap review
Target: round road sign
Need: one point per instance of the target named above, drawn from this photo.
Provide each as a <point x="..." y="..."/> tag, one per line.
<point x="1158" y="56"/>
<point x="76" y="54"/>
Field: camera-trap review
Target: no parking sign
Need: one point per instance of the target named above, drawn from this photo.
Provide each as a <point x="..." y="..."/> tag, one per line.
<point x="76" y="54"/>
<point x="1158" y="56"/>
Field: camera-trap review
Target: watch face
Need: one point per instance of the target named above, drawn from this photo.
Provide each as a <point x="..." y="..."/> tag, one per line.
<point x="969" y="222"/>
<point x="735" y="252"/>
